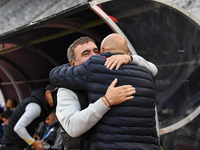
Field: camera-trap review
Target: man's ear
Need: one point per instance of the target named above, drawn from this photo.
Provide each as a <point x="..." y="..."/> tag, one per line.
<point x="102" y="50"/>
<point x="72" y="62"/>
<point x="47" y="92"/>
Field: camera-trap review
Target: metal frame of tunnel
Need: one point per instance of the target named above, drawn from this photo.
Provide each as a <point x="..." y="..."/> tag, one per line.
<point x="13" y="81"/>
<point x="115" y="28"/>
<point x="110" y="22"/>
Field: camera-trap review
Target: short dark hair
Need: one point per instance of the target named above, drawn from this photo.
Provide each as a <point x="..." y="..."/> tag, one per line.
<point x="80" y="41"/>
<point x="53" y="89"/>
<point x="13" y="102"/>
<point x="53" y="111"/>
<point x="6" y="114"/>
<point x="50" y="87"/>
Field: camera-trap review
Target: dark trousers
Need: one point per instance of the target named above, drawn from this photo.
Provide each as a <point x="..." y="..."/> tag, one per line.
<point x="3" y="147"/>
<point x="14" y="147"/>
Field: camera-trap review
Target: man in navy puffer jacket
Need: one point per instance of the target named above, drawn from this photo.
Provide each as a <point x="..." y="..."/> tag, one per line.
<point x="130" y="125"/>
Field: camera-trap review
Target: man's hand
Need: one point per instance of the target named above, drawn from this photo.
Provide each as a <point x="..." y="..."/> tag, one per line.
<point x="117" y="60"/>
<point x="38" y="145"/>
<point x="35" y="136"/>
<point x="118" y="95"/>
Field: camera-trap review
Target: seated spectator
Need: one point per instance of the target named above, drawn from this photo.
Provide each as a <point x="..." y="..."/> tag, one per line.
<point x="5" y="116"/>
<point x="11" y="104"/>
<point x="39" y="131"/>
<point x="52" y="135"/>
<point x="1" y="124"/>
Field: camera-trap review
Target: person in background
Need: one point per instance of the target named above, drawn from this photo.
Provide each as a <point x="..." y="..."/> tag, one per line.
<point x="52" y="134"/>
<point x="39" y="131"/>
<point x="11" y="104"/>
<point x="5" y="116"/>
<point x="27" y="115"/>
<point x="1" y="124"/>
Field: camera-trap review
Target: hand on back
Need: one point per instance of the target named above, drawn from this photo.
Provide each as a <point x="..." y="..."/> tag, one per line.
<point x="118" y="95"/>
<point x="117" y="60"/>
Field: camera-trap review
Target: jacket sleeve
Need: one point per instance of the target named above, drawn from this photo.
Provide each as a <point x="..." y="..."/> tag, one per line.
<point x="138" y="60"/>
<point x="58" y="144"/>
<point x="32" y="111"/>
<point x="69" y="76"/>
<point x="74" y="120"/>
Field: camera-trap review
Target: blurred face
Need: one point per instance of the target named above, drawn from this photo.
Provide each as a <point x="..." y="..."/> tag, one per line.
<point x="84" y="52"/>
<point x="49" y="98"/>
<point x="8" y="104"/>
<point x="5" y="121"/>
<point x="50" y="119"/>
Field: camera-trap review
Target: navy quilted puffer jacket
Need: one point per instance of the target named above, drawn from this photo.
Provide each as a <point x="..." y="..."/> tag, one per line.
<point x="128" y="126"/>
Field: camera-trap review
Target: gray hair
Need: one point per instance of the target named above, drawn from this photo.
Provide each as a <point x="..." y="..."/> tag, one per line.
<point x="80" y="41"/>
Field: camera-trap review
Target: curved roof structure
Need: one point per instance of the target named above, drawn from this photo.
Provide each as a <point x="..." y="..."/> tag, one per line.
<point x="35" y="35"/>
<point x="17" y="14"/>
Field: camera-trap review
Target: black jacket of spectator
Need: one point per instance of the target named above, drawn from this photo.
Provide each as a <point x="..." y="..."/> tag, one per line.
<point x="38" y="97"/>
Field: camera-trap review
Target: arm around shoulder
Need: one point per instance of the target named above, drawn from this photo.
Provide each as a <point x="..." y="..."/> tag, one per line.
<point x="69" y="76"/>
<point x="74" y="120"/>
<point x="140" y="61"/>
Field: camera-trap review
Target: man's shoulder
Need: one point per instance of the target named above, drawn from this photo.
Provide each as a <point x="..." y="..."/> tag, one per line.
<point x="95" y="59"/>
<point x="66" y="90"/>
<point x="98" y="59"/>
